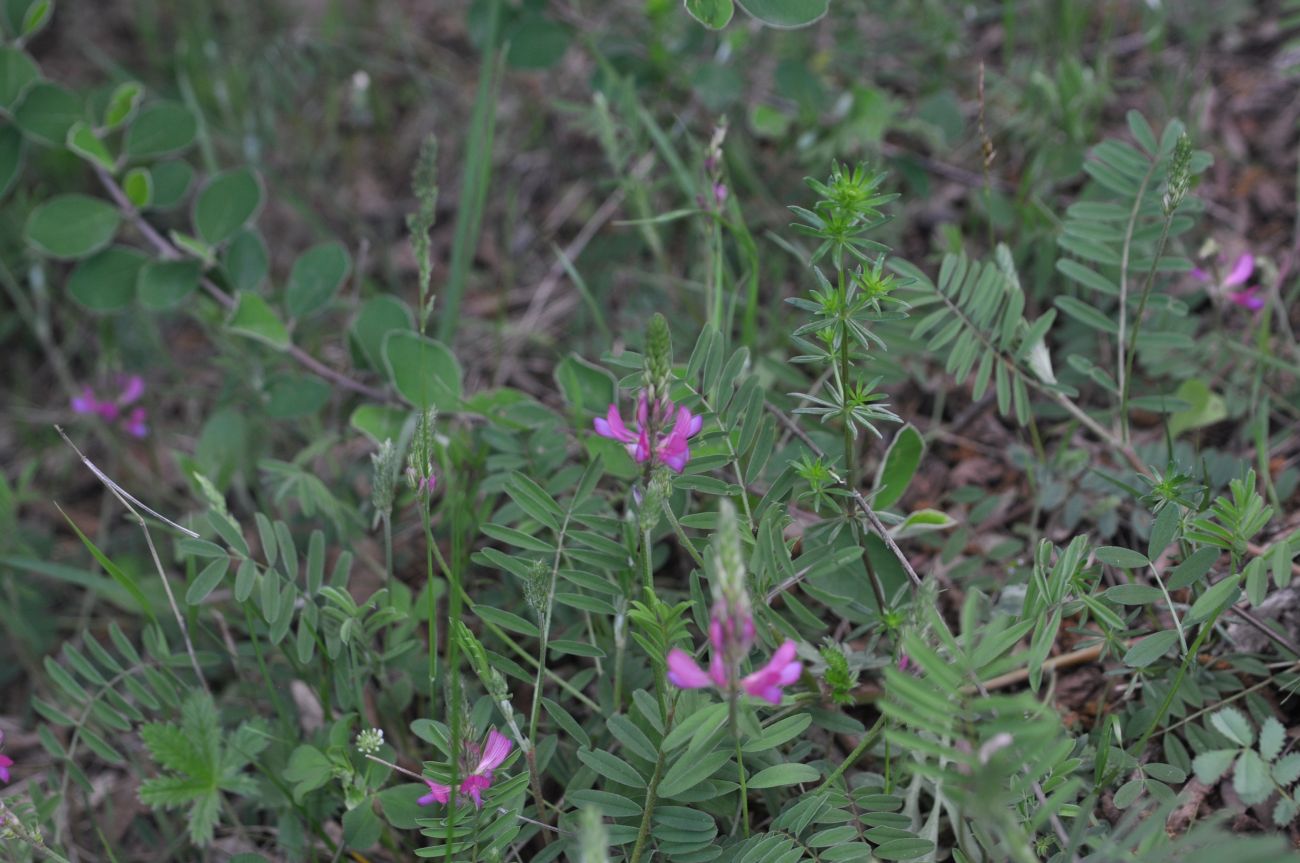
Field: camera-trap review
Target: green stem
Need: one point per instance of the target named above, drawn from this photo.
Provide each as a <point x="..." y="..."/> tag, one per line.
<point x="851" y="454"/>
<point x="682" y="537"/>
<point x="1127" y="381"/>
<point x="740" y="774"/>
<point x="650" y="795"/>
<point x="868" y="740"/>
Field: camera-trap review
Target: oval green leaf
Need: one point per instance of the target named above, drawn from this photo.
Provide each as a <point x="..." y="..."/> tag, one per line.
<point x="160" y="129"/>
<point x="163" y="284"/>
<point x="226" y="204"/>
<point x="72" y="226"/>
<point x="316" y="277"/>
<point x="105" y="282"/>
<point x="424" y="371"/>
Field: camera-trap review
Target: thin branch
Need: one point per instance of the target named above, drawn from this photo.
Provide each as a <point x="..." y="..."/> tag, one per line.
<point x="168" y="251"/>
<point x="876" y="524"/>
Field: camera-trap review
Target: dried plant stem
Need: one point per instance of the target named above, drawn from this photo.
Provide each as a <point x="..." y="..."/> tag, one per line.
<point x="126" y="500"/>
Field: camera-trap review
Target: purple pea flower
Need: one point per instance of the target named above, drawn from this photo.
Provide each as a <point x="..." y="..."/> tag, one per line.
<point x="132" y="421"/>
<point x="670" y="444"/>
<point x="478" y="778"/>
<point x="5" y="762"/>
<point x="1246" y="296"/>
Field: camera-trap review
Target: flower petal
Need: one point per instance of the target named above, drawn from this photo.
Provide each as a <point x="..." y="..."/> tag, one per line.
<point x="1240" y="271"/>
<point x="495" y="751"/>
<point x="611" y="426"/>
<point x="438" y="793"/>
<point x="132" y="389"/>
<point x="684" y="672"/>
<point x="5" y="763"/>
<point x="474" y="786"/>
<point x="1248" y="299"/>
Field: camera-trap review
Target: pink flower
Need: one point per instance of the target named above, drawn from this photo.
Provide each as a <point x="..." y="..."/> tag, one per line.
<point x="422" y="484"/>
<point x="5" y="761"/>
<point x="781" y="670"/>
<point x="1247" y="297"/>
<point x="133" y="422"/>
<point x="766" y="683"/>
<point x="478" y="777"/>
<point x="670" y="445"/>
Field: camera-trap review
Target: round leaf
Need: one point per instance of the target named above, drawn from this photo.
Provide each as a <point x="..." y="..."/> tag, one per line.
<point x="317" y="275"/>
<point x="785" y="14"/>
<point x="171" y="180"/>
<point x="254" y="318"/>
<point x="138" y="187"/>
<point x="246" y="261"/>
<point x="17" y="73"/>
<point x="47" y="113"/>
<point x="380" y="316"/>
<point x="226" y="203"/>
<point x="536" y="42"/>
<point x="160" y="129"/>
<point x="163" y="284"/>
<point x="11" y="157"/>
<point x="294" y="396"/>
<point x="105" y="282"/>
<point x="424" y="371"/>
<point x="714" y="14"/>
<point x="72" y="226"/>
<point x="83" y="141"/>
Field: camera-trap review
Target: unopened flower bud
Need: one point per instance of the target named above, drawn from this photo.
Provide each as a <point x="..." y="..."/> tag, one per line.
<point x="658" y="359"/>
<point x="1180" y="174"/>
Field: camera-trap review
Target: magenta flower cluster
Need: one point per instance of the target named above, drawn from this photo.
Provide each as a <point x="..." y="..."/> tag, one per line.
<point x="731" y="636"/>
<point x="5" y="761"/>
<point x="132" y="420"/>
<point x="669" y="445"/>
<point x="479" y="763"/>
<point x="1248" y="297"/>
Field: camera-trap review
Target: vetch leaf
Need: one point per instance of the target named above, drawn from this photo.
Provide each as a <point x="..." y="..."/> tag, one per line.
<point x="207" y="580"/>
<point x="688" y="772"/>
<point x="611" y="767"/>
<point x="1214" y="599"/>
<point x="783" y="774"/>
<point x="1151" y="648"/>
<point x="1121" y="558"/>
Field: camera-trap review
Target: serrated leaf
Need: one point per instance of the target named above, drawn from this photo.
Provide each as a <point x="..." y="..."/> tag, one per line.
<point x="1251" y="779"/>
<point x="1272" y="736"/>
<point x="1233" y="724"/>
